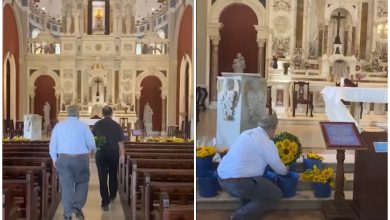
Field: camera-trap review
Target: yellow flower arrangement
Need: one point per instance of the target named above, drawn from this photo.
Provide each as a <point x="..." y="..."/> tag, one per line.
<point x="319" y="176"/>
<point x="15" y="139"/>
<point x="313" y="156"/>
<point x="165" y="139"/>
<point x="205" y="151"/>
<point x="289" y="147"/>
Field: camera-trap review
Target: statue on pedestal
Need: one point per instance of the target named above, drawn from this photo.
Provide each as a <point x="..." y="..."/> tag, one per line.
<point x="148" y="115"/>
<point x="239" y="64"/>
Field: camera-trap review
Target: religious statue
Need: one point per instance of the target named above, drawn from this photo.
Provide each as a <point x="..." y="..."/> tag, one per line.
<point x="46" y="117"/>
<point x="239" y="64"/>
<point x="68" y="23"/>
<point x="99" y="20"/>
<point x="227" y="99"/>
<point x="148" y="115"/>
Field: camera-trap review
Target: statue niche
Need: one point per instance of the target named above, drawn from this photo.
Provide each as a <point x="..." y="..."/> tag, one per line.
<point x="98" y="17"/>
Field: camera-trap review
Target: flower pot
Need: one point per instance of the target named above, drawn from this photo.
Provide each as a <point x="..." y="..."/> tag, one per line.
<point x="288" y="184"/>
<point x="308" y="163"/>
<point x="292" y="167"/>
<point x="208" y="184"/>
<point x="271" y="176"/>
<point x="204" y="164"/>
<point x="321" y="190"/>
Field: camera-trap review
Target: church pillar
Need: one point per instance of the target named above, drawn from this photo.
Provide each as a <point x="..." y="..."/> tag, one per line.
<point x="261" y="58"/>
<point x="76" y="22"/>
<point x="137" y="104"/>
<point x="353" y="41"/>
<point x="325" y="41"/>
<point x="32" y="96"/>
<point x="164" y="92"/>
<point x="214" y="69"/>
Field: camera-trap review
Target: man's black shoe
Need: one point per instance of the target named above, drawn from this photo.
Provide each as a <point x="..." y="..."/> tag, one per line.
<point x="67" y="218"/>
<point x="105" y="208"/>
<point x="112" y="199"/>
<point x="79" y="214"/>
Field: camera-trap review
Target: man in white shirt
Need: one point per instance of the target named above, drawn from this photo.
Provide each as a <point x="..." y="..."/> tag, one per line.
<point x="240" y="171"/>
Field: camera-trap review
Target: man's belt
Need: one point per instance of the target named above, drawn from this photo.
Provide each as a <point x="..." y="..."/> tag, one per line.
<point x="72" y="155"/>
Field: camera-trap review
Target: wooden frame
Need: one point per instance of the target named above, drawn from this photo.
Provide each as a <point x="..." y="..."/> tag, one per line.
<point x="345" y="137"/>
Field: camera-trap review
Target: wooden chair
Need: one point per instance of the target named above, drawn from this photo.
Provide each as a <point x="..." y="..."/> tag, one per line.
<point x="172" y="130"/>
<point x="302" y="97"/>
<point x="201" y="95"/>
<point x="269" y="100"/>
<point x="349" y="83"/>
<point x="123" y="122"/>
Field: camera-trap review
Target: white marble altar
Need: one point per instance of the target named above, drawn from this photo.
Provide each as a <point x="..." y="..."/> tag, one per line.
<point x="32" y="127"/>
<point x="241" y="101"/>
<point x="336" y="110"/>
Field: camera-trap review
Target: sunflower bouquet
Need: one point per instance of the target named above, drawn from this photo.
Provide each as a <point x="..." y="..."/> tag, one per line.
<point x="316" y="175"/>
<point x="205" y="151"/>
<point x="289" y="147"/>
<point x="100" y="141"/>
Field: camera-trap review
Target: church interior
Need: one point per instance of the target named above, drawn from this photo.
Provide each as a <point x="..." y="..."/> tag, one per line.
<point x="301" y="53"/>
<point x="135" y="56"/>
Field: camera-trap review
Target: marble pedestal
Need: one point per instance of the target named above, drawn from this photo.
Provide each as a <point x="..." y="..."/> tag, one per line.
<point x="241" y="102"/>
<point x="32" y="127"/>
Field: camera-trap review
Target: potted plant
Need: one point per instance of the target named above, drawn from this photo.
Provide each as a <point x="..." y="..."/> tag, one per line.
<point x="204" y="158"/>
<point x="312" y="159"/>
<point x="100" y="141"/>
<point x="322" y="180"/>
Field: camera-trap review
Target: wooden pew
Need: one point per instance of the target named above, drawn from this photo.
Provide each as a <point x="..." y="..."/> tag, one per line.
<point x="39" y="178"/>
<point x="53" y="186"/>
<point x="183" y="192"/>
<point x="160" y="175"/>
<point x="25" y="195"/>
<point x="10" y="209"/>
<point x="174" y="212"/>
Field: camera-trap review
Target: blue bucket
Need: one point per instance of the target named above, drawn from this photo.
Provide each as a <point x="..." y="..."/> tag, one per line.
<point x="288" y="184"/>
<point x="271" y="176"/>
<point x="208" y="184"/>
<point x="292" y="167"/>
<point x="204" y="164"/>
<point x="308" y="163"/>
<point x="321" y="190"/>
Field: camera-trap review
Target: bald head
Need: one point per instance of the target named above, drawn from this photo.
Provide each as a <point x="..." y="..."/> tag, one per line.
<point x="73" y="111"/>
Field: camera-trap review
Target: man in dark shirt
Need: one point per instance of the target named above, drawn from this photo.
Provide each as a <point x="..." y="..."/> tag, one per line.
<point x="108" y="155"/>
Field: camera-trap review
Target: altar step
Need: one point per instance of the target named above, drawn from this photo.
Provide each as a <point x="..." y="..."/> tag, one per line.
<point x="304" y="199"/>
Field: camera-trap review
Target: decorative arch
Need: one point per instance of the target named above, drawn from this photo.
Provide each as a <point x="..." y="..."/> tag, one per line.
<point x="45" y="92"/>
<point x="348" y="7"/>
<point x="9" y="87"/>
<point x="151" y="93"/>
<point x="145" y="74"/>
<point x="255" y="5"/>
<point x="186" y="88"/>
<point x="43" y="72"/>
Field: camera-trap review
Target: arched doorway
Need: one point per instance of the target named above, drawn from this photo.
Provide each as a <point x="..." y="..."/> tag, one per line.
<point x="238" y="35"/>
<point x="45" y="92"/>
<point x="151" y="93"/>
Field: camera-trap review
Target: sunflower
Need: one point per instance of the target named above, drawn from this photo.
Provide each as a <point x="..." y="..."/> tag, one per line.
<point x="289" y="147"/>
<point x="205" y="151"/>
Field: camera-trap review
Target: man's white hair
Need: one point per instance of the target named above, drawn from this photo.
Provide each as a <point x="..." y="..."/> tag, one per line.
<point x="268" y="121"/>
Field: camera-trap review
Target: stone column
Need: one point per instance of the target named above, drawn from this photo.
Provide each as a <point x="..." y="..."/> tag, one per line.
<point x="164" y="92"/>
<point x="325" y="41"/>
<point x="353" y="41"/>
<point x="214" y="69"/>
<point x="32" y="104"/>
<point x="137" y="104"/>
<point x="261" y="58"/>
<point x="76" y="22"/>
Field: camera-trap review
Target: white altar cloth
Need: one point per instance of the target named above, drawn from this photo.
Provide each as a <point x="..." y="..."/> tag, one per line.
<point x="336" y="110"/>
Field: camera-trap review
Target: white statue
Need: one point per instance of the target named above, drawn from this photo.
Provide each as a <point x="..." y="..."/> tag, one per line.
<point x="68" y="23"/>
<point x="227" y="99"/>
<point x="148" y="114"/>
<point x="239" y="64"/>
<point x="46" y="116"/>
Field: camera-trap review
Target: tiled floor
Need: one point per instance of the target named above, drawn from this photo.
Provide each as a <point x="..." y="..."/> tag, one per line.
<point x="92" y="210"/>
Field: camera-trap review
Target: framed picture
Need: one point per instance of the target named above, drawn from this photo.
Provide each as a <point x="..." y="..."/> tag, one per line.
<point x="341" y="135"/>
